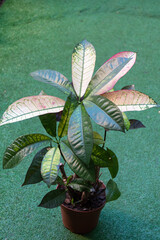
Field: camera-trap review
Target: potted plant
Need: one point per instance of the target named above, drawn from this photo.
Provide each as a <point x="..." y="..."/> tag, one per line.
<point x="71" y="139"/>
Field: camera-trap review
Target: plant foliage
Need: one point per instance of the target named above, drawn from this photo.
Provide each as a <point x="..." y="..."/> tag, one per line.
<point x="72" y="139"/>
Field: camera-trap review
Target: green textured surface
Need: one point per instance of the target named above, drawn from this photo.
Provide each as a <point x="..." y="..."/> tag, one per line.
<point x="38" y="34"/>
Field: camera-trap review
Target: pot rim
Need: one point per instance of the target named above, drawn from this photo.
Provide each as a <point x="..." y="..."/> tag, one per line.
<point x="84" y="211"/>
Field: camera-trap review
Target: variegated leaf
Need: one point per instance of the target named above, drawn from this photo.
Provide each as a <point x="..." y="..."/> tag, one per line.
<point x="126" y="121"/>
<point x="22" y="147"/>
<point x="70" y="105"/>
<point x="104" y="113"/>
<point x="110" y="72"/>
<point x="32" y="106"/>
<point x="55" y="79"/>
<point x="77" y="166"/>
<point x="50" y="166"/>
<point x="83" y="63"/>
<point x="80" y="135"/>
<point x="130" y="100"/>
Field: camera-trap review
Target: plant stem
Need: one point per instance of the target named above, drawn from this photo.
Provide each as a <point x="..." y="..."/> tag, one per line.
<point x="105" y="133"/>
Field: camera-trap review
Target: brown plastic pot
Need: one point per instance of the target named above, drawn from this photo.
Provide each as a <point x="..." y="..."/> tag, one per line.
<point x="80" y="222"/>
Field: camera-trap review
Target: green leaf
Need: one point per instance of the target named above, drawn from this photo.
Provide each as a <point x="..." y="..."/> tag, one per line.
<point x="83" y="63"/>
<point x="80" y="135"/>
<point x="76" y="165"/>
<point x="50" y="166"/>
<point x="130" y="100"/>
<point x="115" y="167"/>
<point x="30" y="107"/>
<point x="112" y="191"/>
<point x="97" y="139"/>
<point x="126" y="121"/>
<point x="53" y="199"/>
<point x="104" y="113"/>
<point x="101" y="157"/>
<point x="80" y="185"/>
<point x="49" y="123"/>
<point x="22" y="147"/>
<point x="107" y="75"/>
<point x="34" y="172"/>
<point x="69" y="107"/>
<point x="55" y="79"/>
<point x="134" y="124"/>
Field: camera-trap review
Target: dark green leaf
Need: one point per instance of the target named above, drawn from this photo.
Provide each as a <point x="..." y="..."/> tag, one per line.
<point x="115" y="167"/>
<point x="58" y="180"/>
<point x="112" y="191"/>
<point x="101" y="157"/>
<point x="22" y="147"/>
<point x="104" y="113"/>
<point x="69" y="107"/>
<point x="53" y="199"/>
<point x="49" y="123"/>
<point x="80" y="135"/>
<point x="80" y="185"/>
<point x="134" y="124"/>
<point x="34" y="172"/>
<point x="129" y="87"/>
<point x="76" y="165"/>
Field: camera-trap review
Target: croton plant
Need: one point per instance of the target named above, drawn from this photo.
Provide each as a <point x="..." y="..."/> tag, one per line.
<point x="70" y="136"/>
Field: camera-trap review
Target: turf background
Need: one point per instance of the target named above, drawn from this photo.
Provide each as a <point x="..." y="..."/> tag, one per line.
<point x="41" y="34"/>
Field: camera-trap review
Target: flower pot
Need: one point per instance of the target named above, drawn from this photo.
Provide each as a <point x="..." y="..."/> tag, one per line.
<point x="78" y="221"/>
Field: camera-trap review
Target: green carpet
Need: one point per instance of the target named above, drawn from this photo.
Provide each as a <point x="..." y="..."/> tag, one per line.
<point x="38" y="34"/>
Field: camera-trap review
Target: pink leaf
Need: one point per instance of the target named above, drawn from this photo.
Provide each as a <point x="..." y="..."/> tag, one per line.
<point x="123" y="71"/>
<point x="130" y="100"/>
<point x="32" y="106"/>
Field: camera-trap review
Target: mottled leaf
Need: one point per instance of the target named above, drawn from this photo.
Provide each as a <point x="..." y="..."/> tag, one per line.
<point x="22" y="147"/>
<point x="80" y="135"/>
<point x="69" y="107"/>
<point x="34" y="172"/>
<point x="76" y="165"/>
<point x="50" y="166"/>
<point x="33" y="106"/>
<point x="83" y="63"/>
<point x="104" y="113"/>
<point x="126" y="121"/>
<point x="112" y="191"/>
<point x="55" y="79"/>
<point x="130" y="100"/>
<point x="110" y="72"/>
<point x="53" y="199"/>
